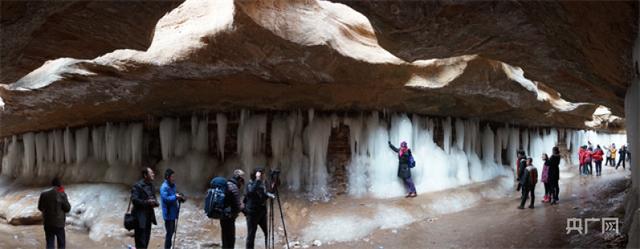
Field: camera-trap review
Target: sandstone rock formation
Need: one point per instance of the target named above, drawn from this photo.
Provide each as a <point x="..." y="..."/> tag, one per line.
<point x="497" y="61"/>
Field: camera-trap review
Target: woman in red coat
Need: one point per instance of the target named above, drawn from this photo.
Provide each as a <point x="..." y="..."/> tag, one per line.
<point x="597" y="157"/>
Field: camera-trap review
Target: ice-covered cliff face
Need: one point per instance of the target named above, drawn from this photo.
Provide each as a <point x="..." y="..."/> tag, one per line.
<point x="283" y="55"/>
<point x="449" y="152"/>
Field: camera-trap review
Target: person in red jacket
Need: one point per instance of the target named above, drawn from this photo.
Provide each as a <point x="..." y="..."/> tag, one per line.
<point x="582" y="158"/>
<point x="597" y="157"/>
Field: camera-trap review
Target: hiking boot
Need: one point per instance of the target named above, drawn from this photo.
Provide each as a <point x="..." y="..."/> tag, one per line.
<point x="520" y="207"/>
<point x="531" y="206"/>
<point x="414" y="194"/>
<point x="554" y="202"/>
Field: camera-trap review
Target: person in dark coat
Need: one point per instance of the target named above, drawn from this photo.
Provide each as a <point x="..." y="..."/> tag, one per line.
<point x="528" y="183"/>
<point x="623" y="157"/>
<point x="255" y="207"/>
<point x="54" y="205"/>
<point x="521" y="164"/>
<point x="169" y="203"/>
<point x="144" y="201"/>
<point x="554" y="175"/>
<point x="405" y="159"/>
<point x="233" y="199"/>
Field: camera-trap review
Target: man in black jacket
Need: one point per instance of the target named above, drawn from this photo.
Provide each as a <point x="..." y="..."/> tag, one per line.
<point x="54" y="205"/>
<point x="233" y="199"/>
<point x="144" y="201"/>
<point x="255" y="203"/>
<point x="521" y="165"/>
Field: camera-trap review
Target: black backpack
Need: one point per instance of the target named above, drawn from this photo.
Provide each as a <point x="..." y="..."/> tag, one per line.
<point x="214" y="203"/>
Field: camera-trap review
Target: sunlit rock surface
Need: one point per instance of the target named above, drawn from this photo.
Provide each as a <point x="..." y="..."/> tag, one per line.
<point x="282" y="55"/>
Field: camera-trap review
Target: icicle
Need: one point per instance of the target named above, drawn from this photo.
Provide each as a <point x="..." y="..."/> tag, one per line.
<point x="28" y="141"/>
<point x="111" y="144"/>
<point x="68" y="146"/>
<point x="82" y="144"/>
<point x="446" y="128"/>
<point x="41" y="148"/>
<point x="136" y="131"/>
<point x="221" y="123"/>
<point x="98" y="143"/>
<point x="167" y="137"/>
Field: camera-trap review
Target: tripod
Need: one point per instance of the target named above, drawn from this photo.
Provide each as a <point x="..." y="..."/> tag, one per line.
<point x="271" y="230"/>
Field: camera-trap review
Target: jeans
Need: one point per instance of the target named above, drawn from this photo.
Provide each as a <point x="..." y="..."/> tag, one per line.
<point x="228" y="229"/>
<point x="170" y="227"/>
<point x="525" y="192"/>
<point x="410" y="186"/>
<point x="253" y="220"/>
<point x="142" y="236"/>
<point x="52" y="234"/>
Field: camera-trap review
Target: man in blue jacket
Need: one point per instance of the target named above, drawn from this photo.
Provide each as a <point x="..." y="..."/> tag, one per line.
<point x="169" y="202"/>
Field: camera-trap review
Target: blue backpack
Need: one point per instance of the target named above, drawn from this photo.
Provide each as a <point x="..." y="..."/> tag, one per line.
<point x="214" y="204"/>
<point x="412" y="162"/>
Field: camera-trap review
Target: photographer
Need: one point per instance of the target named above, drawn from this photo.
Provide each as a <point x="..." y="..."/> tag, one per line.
<point x="144" y="201"/>
<point x="170" y="208"/>
<point x="256" y="206"/>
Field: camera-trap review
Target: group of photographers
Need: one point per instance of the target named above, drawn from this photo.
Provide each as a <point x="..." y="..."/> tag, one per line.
<point x="253" y="205"/>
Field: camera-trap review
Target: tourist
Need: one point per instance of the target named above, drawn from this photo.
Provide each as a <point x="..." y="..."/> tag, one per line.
<point x="623" y="157"/>
<point x="613" y="155"/>
<point x="608" y="159"/>
<point x="169" y="203"/>
<point x="144" y="201"/>
<point x="554" y="174"/>
<point x="589" y="161"/>
<point x="521" y="163"/>
<point x="528" y="181"/>
<point x="597" y="158"/>
<point x="233" y="199"/>
<point x="54" y="205"/>
<point x="405" y="163"/>
<point x="582" y="158"/>
<point x="545" y="178"/>
<point x="255" y="207"/>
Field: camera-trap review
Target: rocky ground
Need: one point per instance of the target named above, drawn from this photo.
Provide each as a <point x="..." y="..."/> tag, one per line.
<point x="481" y="215"/>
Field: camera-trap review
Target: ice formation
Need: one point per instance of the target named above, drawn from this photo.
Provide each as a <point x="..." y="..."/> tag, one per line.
<point x="449" y="152"/>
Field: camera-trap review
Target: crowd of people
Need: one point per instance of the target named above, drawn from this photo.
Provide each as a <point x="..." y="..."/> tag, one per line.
<point x="54" y="204"/>
<point x="588" y="156"/>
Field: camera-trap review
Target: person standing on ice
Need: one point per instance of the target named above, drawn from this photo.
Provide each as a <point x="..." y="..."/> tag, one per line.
<point x="545" y="179"/>
<point x="405" y="163"/>
<point x="233" y="199"/>
<point x="528" y="180"/>
<point x="554" y="175"/>
<point x="144" y="201"/>
<point x="623" y="157"/>
<point x="170" y="208"/>
<point x="521" y="163"/>
<point x="597" y="158"/>
<point x="54" y="205"/>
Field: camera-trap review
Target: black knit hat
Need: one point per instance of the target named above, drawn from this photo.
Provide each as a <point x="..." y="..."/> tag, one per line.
<point x="168" y="173"/>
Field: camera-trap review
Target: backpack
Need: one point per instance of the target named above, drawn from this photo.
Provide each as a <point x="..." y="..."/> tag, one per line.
<point x="412" y="162"/>
<point x="533" y="174"/>
<point x="214" y="203"/>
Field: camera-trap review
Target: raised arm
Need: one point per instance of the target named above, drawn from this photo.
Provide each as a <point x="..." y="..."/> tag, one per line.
<point x="393" y="147"/>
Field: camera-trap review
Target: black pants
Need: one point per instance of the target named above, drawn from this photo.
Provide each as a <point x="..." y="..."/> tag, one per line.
<point x="142" y="236"/>
<point x="253" y="220"/>
<point x="525" y="193"/>
<point x="608" y="161"/>
<point x="598" y="167"/>
<point x="170" y="227"/>
<point x="52" y="234"/>
<point x="547" y="189"/>
<point x="554" y="189"/>
<point x="623" y="161"/>
<point x="228" y="228"/>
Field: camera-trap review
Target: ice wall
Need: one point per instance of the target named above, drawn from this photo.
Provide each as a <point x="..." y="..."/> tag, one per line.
<point x="297" y="143"/>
